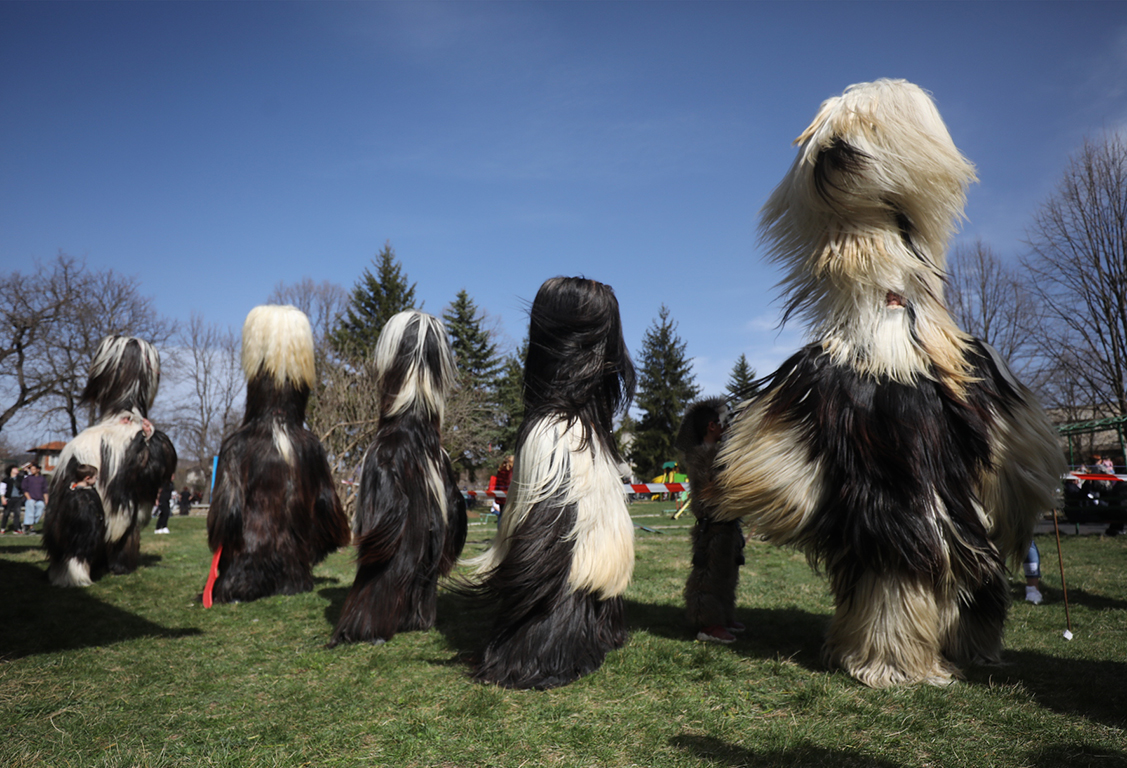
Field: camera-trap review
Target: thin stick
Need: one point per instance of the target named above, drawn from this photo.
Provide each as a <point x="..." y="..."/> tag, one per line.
<point x="1064" y="587"/>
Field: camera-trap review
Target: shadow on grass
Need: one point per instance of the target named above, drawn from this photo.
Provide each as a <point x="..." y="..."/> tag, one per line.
<point x="38" y="618"/>
<point x="771" y="632"/>
<point x="1093" y="689"/>
<point x="148" y="559"/>
<point x="1054" y="596"/>
<point x="1077" y="756"/>
<point x="336" y="597"/>
<point x="463" y="622"/>
<point x="19" y="549"/>
<point x="718" y="752"/>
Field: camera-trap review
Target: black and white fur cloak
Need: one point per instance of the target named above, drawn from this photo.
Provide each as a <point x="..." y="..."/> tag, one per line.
<point x="717" y="544"/>
<point x="274" y="512"/>
<point x="410" y="521"/>
<point x="899" y="453"/>
<point x="133" y="461"/>
<point x="564" y="550"/>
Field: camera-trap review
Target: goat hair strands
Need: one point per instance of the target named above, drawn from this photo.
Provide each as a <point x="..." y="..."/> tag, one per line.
<point x="899" y="453"/>
<point x="275" y="511"/>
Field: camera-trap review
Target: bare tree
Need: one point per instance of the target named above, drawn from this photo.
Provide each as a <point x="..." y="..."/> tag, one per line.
<point x="1078" y="270"/>
<point x="105" y="304"/>
<point x="30" y="308"/>
<point x="321" y="302"/>
<point x="208" y="370"/>
<point x="990" y="302"/>
<point x="343" y="407"/>
<point x="52" y="321"/>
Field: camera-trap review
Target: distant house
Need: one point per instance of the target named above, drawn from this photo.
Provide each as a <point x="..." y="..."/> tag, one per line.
<point x="47" y="455"/>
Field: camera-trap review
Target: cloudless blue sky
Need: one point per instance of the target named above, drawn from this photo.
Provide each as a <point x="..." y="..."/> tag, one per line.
<point x="213" y="150"/>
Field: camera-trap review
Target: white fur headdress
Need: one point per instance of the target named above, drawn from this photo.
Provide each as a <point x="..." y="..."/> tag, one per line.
<point x="278" y="341"/>
<point x="861" y="224"/>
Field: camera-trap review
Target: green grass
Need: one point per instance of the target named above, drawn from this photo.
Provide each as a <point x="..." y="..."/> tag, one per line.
<point x="134" y="672"/>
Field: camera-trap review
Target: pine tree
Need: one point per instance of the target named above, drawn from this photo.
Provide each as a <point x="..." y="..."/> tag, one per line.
<point x="666" y="385"/>
<point x="510" y="399"/>
<point x="473" y="346"/>
<point x="742" y="383"/>
<point x="473" y="421"/>
<point x="374" y="300"/>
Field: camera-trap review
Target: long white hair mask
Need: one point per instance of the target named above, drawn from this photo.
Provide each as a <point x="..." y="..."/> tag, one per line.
<point x="861" y="223"/>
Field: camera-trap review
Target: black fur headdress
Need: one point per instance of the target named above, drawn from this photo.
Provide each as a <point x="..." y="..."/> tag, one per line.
<point x="564" y="550"/>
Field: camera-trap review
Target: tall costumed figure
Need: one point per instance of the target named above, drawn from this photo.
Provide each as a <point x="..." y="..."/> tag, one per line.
<point x="132" y="459"/>
<point x="564" y="550"/>
<point x="410" y="521"/>
<point x="899" y="453"/>
<point x="274" y="513"/>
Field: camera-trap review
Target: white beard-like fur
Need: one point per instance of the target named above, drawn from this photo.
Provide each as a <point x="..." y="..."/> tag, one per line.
<point x="860" y="224"/>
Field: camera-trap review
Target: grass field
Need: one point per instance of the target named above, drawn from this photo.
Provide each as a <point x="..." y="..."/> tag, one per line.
<point x="134" y="672"/>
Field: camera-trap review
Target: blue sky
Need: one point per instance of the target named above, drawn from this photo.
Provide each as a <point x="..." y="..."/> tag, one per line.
<point x="213" y="150"/>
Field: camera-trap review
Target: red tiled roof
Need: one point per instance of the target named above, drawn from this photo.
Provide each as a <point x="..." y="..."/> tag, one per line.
<point x="52" y="447"/>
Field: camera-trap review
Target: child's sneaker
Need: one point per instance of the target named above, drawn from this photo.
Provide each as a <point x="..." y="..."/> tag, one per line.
<point x="1033" y="595"/>
<point x="716" y="634"/>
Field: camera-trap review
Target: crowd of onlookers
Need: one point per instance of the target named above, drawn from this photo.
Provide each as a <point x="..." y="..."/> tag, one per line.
<point x="24" y="497"/>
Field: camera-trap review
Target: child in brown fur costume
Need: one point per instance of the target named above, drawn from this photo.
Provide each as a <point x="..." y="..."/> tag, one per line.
<point x="710" y="593"/>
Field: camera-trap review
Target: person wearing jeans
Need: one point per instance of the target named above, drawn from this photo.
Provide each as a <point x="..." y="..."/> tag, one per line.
<point x="34" y="489"/>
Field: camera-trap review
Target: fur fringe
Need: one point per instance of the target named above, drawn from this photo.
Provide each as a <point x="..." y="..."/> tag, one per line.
<point x="410" y="517"/>
<point x="131" y="470"/>
<point x="278" y="343"/>
<point x="275" y="510"/>
<point x="899" y="453"/>
<point x="562" y="558"/>
<point x="74" y="534"/>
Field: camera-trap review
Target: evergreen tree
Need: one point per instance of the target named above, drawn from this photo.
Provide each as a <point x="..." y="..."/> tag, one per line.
<point x="473" y="421"/>
<point x="473" y="345"/>
<point x="510" y="399"/>
<point x="374" y="300"/>
<point x="742" y="383"/>
<point x="665" y="386"/>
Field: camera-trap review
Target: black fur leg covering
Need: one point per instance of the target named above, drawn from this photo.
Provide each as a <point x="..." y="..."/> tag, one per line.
<point x="545" y="633"/>
<point x="710" y="592"/>
<point x="74" y="537"/>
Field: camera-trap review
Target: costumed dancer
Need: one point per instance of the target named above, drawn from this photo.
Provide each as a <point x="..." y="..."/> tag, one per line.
<point x="133" y="461"/>
<point x="410" y="521"/>
<point x="274" y="512"/>
<point x="564" y="550"/>
<point x="717" y="545"/>
<point x="74" y="534"/>
<point x="898" y="452"/>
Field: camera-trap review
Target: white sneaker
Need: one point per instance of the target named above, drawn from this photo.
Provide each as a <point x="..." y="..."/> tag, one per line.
<point x="1033" y="595"/>
<point x="161" y="530"/>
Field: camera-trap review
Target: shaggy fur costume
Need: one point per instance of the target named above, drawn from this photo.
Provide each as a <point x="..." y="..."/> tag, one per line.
<point x="717" y="545"/>
<point x="564" y="550"/>
<point x="410" y="516"/>
<point x="133" y="461"/>
<point x="899" y="453"/>
<point x="275" y="511"/>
